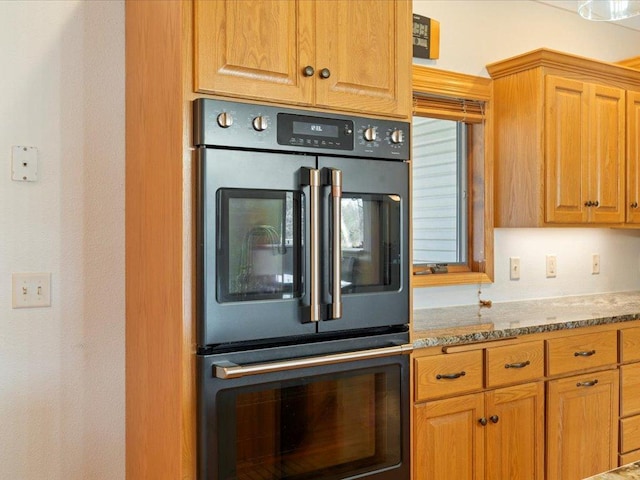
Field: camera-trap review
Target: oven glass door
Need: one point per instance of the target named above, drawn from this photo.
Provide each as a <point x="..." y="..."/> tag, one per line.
<point x="373" y="247"/>
<point x="336" y="425"/>
<point x="252" y="252"/>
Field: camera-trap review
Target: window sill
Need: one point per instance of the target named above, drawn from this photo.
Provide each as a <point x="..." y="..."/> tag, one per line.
<point x="447" y="279"/>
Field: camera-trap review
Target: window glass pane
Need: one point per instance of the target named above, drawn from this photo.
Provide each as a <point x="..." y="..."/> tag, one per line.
<point x="439" y="191"/>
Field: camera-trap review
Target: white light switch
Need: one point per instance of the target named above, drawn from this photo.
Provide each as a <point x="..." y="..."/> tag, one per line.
<point x="552" y="266"/>
<point x="514" y="268"/>
<point x="31" y="290"/>
<point x="24" y="164"/>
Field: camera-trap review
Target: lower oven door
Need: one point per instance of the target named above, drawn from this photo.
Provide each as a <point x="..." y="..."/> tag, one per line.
<point x="312" y="419"/>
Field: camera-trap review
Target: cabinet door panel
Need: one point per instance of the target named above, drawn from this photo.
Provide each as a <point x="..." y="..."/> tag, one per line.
<point x="365" y="48"/>
<point x="582" y="427"/>
<point x="633" y="157"/>
<point x="606" y="154"/>
<point x="254" y="49"/>
<point x="448" y="439"/>
<point x="515" y="432"/>
<point x="566" y="146"/>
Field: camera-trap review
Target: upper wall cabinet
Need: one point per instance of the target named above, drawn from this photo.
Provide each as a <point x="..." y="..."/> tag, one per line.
<point x="337" y="54"/>
<point x="561" y="142"/>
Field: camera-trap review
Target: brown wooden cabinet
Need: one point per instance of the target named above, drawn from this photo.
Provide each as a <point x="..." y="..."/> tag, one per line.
<point x="497" y="433"/>
<point x="584" y="151"/>
<point x="633" y="158"/>
<point x="582" y="427"/>
<point x="560" y="141"/>
<point x="629" y="398"/>
<point x="336" y="54"/>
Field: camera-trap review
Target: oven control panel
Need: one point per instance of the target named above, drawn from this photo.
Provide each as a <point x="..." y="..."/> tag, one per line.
<point x="220" y="123"/>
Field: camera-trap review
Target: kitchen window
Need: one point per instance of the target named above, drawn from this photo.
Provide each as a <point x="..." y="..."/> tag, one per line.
<point x="452" y="218"/>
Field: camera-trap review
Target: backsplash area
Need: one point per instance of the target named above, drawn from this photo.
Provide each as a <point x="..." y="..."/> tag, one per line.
<point x="619" y="252"/>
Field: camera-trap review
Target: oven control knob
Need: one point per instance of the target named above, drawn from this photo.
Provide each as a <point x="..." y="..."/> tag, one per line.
<point x="371" y="134"/>
<point x="260" y="123"/>
<point x="397" y="136"/>
<point x="225" y="120"/>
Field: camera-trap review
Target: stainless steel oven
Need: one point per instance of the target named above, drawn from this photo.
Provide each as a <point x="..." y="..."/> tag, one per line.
<point x="291" y="414"/>
<point x="303" y="294"/>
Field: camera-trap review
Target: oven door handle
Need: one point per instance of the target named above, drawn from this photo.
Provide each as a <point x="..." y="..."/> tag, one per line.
<point x="229" y="370"/>
<point x="336" y="243"/>
<point x="314" y="287"/>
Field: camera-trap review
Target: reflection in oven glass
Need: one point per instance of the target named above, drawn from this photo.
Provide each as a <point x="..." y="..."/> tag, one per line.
<point x="319" y="430"/>
<point x="258" y="249"/>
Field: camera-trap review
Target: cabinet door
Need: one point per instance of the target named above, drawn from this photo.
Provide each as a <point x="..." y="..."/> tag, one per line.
<point x="606" y="154"/>
<point x="582" y="426"/>
<point x="633" y="157"/>
<point x="448" y="439"/>
<point x="366" y="49"/>
<point x="254" y="49"/>
<point x="566" y="146"/>
<point x="515" y="432"/>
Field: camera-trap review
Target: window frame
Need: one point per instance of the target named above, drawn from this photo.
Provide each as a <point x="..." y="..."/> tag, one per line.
<point x="454" y="88"/>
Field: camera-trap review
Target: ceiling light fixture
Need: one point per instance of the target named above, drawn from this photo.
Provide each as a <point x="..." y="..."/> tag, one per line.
<point x="609" y="10"/>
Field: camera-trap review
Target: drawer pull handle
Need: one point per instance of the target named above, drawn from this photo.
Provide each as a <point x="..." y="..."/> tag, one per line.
<point x="588" y="353"/>
<point x="587" y="384"/>
<point x="450" y="376"/>
<point x="517" y="365"/>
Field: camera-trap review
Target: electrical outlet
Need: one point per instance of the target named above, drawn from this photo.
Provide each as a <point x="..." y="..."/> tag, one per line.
<point x="552" y="266"/>
<point x="595" y="264"/>
<point x="31" y="290"/>
<point x="514" y="268"/>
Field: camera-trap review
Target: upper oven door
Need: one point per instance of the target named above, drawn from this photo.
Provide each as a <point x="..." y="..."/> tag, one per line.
<point x="292" y="244"/>
<point x="252" y="245"/>
<point x="365" y="214"/>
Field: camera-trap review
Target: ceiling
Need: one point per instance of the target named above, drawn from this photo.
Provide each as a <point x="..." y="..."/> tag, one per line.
<point x="572" y="5"/>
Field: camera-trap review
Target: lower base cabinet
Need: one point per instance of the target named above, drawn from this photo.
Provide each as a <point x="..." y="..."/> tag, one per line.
<point x="498" y="434"/>
<point x="582" y="425"/>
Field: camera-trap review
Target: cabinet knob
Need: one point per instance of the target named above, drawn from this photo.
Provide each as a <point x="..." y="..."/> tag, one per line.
<point x="634" y="205"/>
<point x="588" y="203"/>
<point x="325" y="73"/>
<point x="494" y="418"/>
<point x="482" y="421"/>
<point x="596" y="203"/>
<point x="308" y="71"/>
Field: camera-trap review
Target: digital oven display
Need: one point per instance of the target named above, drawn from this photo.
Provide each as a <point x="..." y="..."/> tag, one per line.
<point x="315" y="129"/>
<point x="315" y="132"/>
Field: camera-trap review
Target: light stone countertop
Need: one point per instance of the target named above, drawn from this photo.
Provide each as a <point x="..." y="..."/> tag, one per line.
<point x="465" y="324"/>
<point x="630" y="471"/>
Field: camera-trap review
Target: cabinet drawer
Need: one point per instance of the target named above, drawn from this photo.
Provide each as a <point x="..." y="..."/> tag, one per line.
<point x="630" y="434"/>
<point x="630" y="389"/>
<point x="580" y="352"/>
<point x="448" y="374"/>
<point x="515" y="363"/>
<point x="629" y="457"/>
<point x="630" y="344"/>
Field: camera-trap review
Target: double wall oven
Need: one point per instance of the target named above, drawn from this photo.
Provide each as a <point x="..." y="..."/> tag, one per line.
<point x="303" y="294"/>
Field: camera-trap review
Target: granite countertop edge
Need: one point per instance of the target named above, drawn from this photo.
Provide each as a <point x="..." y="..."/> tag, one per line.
<point x="468" y="324"/>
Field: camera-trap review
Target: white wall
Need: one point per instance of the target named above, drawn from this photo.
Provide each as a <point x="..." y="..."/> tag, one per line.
<point x="62" y="368"/>
<point x="476" y="33"/>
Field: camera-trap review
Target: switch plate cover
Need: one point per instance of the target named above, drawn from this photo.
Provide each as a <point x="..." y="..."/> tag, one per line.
<point x="31" y="290"/>
<point x="24" y="163"/>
